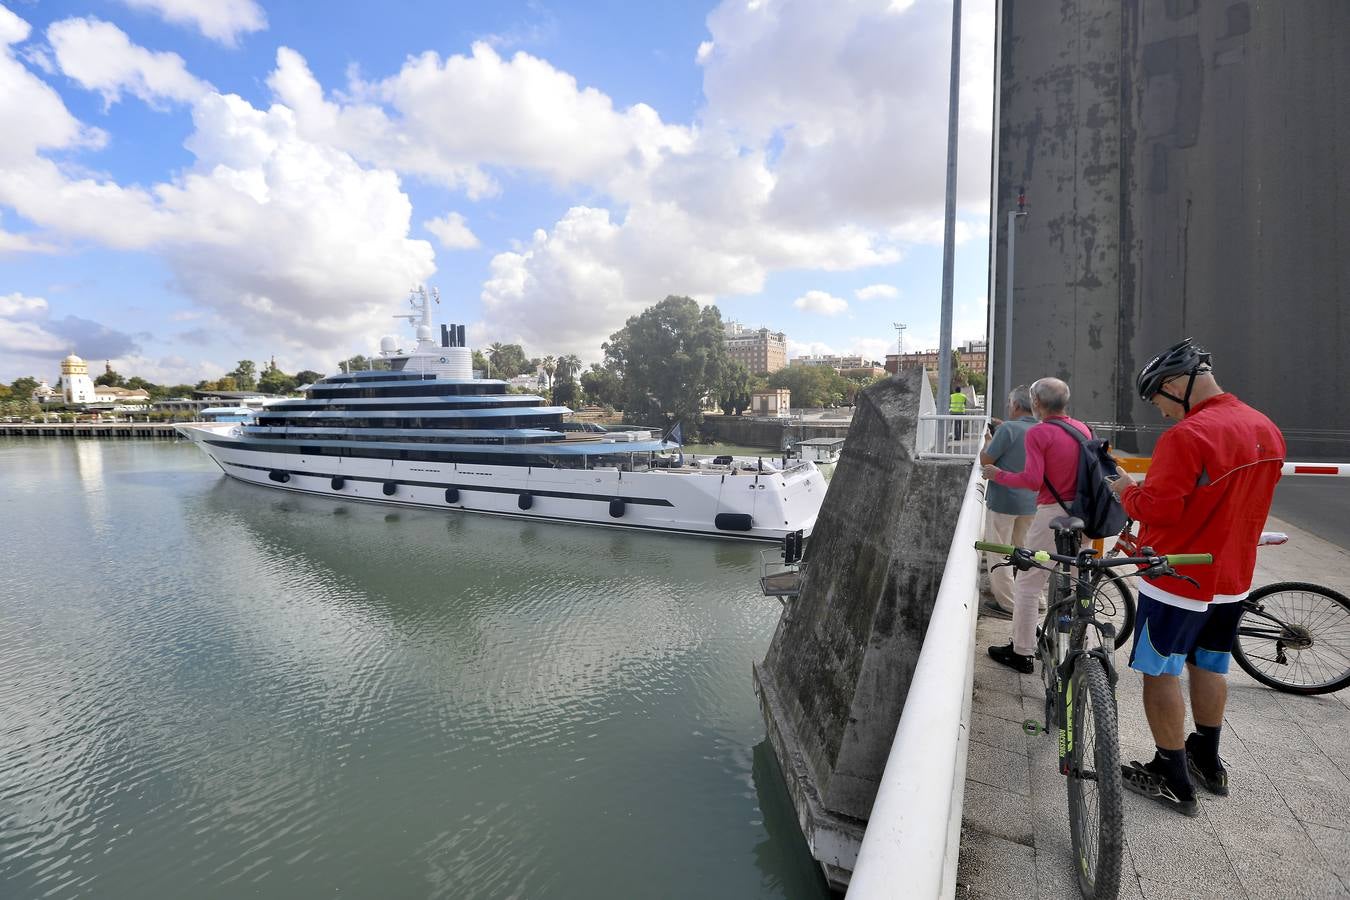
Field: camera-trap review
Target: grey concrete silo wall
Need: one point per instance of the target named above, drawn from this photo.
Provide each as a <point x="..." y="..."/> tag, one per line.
<point x="1187" y="166"/>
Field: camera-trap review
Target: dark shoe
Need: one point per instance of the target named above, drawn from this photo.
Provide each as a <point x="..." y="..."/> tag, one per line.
<point x="994" y="609"/>
<point x="1212" y="778"/>
<point x="1012" y="659"/>
<point x="1148" y="782"/>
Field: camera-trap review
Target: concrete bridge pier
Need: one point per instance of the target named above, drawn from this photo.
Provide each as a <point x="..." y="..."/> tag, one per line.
<point x="833" y="683"/>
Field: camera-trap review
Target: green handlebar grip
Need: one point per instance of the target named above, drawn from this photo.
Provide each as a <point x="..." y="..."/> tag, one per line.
<point x="1005" y="549"/>
<point x="1190" y="559"/>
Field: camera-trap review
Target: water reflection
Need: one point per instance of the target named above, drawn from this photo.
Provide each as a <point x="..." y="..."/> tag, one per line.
<point x="292" y="696"/>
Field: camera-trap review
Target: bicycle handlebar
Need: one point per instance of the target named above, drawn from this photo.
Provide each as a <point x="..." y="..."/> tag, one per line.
<point x="1189" y="559"/>
<point x="1042" y="556"/>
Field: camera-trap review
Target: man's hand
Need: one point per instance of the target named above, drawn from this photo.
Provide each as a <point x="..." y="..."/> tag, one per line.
<point x="1121" y="482"/>
<point x="989" y="472"/>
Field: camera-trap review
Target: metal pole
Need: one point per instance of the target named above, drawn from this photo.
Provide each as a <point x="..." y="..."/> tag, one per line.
<point x="949" y="225"/>
<point x="1008" y="307"/>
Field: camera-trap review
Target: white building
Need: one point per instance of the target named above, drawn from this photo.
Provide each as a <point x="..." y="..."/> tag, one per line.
<point x="75" y="381"/>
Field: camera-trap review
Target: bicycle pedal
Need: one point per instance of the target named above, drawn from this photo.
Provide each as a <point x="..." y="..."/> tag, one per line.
<point x="1032" y="728"/>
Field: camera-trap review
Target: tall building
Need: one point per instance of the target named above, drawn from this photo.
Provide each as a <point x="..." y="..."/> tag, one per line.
<point x="974" y="356"/>
<point x="75" y="380"/>
<point x="759" y="350"/>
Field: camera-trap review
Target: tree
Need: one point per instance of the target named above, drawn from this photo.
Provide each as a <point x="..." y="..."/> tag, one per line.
<point x="549" y="365"/>
<point x="136" y="383"/>
<point x="22" y="388"/>
<point x="670" y="357"/>
<point x="246" y="375"/>
<point x="602" y="387"/>
<point x="480" y="362"/>
<point x="109" y="378"/>
<point x="508" y="360"/>
<point x="569" y="367"/>
<point x="566" y="393"/>
<point x="275" y="381"/>
<point x="307" y="376"/>
<point x="734" y="393"/>
<point x="359" y="363"/>
<point x="811" y="386"/>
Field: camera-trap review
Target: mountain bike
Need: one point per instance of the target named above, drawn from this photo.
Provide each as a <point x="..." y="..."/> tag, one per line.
<point x="1075" y="650"/>
<point x="1293" y="636"/>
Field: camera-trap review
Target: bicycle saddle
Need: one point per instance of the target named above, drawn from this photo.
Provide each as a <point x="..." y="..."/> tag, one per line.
<point x="1067" y="523"/>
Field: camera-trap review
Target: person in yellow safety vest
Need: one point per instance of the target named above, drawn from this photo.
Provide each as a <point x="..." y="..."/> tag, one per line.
<point x="958" y="408"/>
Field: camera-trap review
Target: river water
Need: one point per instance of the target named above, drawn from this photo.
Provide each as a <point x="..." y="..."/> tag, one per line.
<point x="210" y="689"/>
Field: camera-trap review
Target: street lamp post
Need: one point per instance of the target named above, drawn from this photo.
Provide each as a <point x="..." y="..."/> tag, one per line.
<point x="949" y="224"/>
<point x="1013" y="216"/>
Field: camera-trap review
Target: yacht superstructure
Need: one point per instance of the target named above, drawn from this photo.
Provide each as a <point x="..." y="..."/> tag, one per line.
<point x="425" y="432"/>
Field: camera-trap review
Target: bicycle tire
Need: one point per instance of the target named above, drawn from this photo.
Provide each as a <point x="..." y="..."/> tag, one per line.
<point x="1094" y="729"/>
<point x="1124" y="605"/>
<point x="1255" y="645"/>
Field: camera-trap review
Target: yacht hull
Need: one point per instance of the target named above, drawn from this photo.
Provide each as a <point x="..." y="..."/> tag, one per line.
<point x="742" y="506"/>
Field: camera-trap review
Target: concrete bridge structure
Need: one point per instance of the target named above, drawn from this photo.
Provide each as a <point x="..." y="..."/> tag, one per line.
<point x="1185" y="168"/>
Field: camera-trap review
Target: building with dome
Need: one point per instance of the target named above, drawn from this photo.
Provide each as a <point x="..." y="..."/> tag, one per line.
<point x="76" y="384"/>
<point x="78" y="388"/>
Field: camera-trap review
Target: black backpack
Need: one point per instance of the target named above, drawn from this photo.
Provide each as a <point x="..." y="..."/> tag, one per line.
<point x="1094" y="502"/>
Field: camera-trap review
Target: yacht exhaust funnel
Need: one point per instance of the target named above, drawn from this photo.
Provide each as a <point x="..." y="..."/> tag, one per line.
<point x="445" y="336"/>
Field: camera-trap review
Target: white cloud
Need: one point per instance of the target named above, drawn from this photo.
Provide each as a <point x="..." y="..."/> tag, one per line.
<point x="821" y="303"/>
<point x="220" y="20"/>
<point x="452" y="232"/>
<point x="453" y="119"/>
<point x="100" y="57"/>
<point x="17" y="305"/>
<point x="874" y="291"/>
<point x="287" y="236"/>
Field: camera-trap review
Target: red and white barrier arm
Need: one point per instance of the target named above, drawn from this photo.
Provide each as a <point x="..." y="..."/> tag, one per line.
<point x="1303" y="468"/>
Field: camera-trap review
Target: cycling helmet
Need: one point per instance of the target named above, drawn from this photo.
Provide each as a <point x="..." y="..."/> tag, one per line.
<point x="1179" y="359"/>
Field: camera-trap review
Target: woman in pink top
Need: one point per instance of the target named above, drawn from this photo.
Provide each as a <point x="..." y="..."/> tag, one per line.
<point x="1052" y="459"/>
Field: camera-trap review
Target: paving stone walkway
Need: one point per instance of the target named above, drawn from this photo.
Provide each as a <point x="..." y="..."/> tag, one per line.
<point x="1284" y="830"/>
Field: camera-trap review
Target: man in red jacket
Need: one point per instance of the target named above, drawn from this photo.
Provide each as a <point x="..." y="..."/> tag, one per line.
<point x="1208" y="490"/>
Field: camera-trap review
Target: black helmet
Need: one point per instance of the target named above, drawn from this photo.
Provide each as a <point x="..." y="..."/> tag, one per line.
<point x="1179" y="359"/>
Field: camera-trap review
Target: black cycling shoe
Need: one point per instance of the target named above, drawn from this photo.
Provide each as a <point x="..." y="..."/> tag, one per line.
<point x="1012" y="659"/>
<point x="1147" y="781"/>
<point x="1212" y="778"/>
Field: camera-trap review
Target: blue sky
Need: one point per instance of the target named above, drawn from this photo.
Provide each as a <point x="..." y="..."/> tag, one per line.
<point x="187" y="183"/>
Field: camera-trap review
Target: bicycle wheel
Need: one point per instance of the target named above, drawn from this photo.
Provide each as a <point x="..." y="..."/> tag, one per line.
<point x="1295" y="637"/>
<point x="1116" y="604"/>
<point x="1096" y="814"/>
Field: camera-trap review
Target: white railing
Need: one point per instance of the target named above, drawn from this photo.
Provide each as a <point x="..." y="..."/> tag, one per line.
<point x="950" y="436"/>
<point x="913" y="836"/>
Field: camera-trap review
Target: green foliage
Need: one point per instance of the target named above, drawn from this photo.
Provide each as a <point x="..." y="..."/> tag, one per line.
<point x="670" y="357"/>
<point x="602" y="387"/>
<point x="360" y="363"/>
<point x="274" y="381"/>
<point x="569" y="367"/>
<point x="110" y="379"/>
<point x="508" y="360"/>
<point x="245" y="375"/>
<point x="734" y="394"/>
<point x="480" y="362"/>
<point x="813" y="386"/>
<point x="307" y="376"/>
<point x="22" y="388"/>
<point x="566" y="393"/>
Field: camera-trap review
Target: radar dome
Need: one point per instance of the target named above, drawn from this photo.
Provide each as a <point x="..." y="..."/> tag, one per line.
<point x="388" y="344"/>
<point x="424" y="332"/>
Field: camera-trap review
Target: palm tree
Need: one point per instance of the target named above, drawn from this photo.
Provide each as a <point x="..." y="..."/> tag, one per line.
<point x="568" y="366"/>
<point x="495" y="354"/>
<point x="549" y="365"/>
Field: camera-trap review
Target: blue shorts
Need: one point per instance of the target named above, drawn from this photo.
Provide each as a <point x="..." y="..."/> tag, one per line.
<point x="1167" y="637"/>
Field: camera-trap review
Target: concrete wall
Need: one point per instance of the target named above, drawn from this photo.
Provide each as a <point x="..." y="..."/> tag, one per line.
<point x="1187" y="174"/>
<point x="834" y="680"/>
<point x="746" y="432"/>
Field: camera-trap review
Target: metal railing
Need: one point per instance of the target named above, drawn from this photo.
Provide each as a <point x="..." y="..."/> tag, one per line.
<point x="913" y="837"/>
<point x="950" y="436"/>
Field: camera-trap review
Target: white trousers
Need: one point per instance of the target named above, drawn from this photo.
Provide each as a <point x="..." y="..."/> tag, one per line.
<point x="1030" y="586"/>
<point x="1004" y="528"/>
